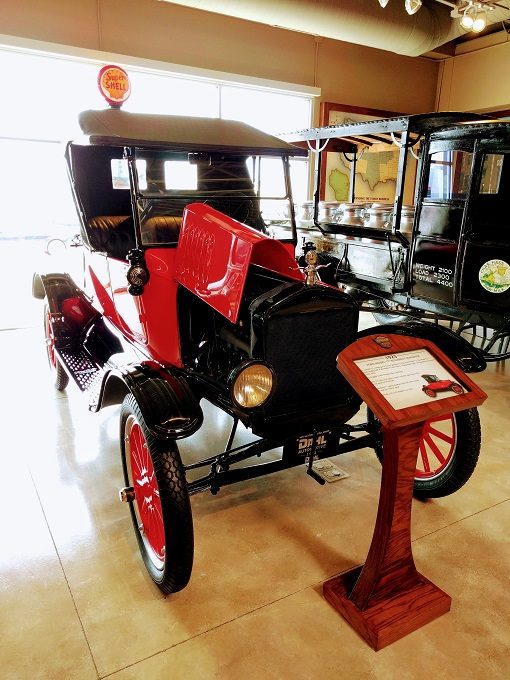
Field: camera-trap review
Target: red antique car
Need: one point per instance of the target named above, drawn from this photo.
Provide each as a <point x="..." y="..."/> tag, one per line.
<point x="434" y="385"/>
<point x="186" y="297"/>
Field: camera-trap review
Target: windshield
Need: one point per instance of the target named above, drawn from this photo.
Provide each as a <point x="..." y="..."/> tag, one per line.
<point x="250" y="189"/>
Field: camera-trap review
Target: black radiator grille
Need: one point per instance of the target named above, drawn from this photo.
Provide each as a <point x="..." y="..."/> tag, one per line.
<point x="302" y="347"/>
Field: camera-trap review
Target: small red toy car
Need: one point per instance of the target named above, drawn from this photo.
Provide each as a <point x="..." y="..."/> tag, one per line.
<point x="435" y="385"/>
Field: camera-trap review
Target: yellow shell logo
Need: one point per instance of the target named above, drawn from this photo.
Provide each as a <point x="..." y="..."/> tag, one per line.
<point x="494" y="276"/>
<point x="114" y="85"/>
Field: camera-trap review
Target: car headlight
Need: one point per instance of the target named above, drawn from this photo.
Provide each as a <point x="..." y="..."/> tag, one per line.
<point x="252" y="384"/>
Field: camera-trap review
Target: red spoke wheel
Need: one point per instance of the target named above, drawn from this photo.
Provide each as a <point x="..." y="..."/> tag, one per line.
<point x="437" y="447"/>
<point x="447" y="454"/>
<point x="429" y="392"/>
<point x="457" y="388"/>
<point x="160" y="506"/>
<point x="61" y="377"/>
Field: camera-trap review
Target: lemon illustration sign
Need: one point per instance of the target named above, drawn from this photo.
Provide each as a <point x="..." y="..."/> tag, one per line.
<point x="494" y="276"/>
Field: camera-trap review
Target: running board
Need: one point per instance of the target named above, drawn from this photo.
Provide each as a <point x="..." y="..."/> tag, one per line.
<point x="85" y="373"/>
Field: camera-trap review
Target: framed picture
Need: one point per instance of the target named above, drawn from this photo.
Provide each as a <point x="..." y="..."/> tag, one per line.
<point x="376" y="171"/>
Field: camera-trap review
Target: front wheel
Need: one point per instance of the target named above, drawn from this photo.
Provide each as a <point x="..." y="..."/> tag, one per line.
<point x="159" y="502"/>
<point x="447" y="454"/>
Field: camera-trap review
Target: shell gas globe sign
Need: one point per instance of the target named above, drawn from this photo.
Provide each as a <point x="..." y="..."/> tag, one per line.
<point x="114" y="85"/>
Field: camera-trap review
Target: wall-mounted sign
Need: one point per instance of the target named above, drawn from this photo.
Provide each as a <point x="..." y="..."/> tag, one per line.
<point x="114" y="85"/>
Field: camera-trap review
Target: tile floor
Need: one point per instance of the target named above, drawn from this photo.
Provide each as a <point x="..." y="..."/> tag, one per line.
<point x="76" y="602"/>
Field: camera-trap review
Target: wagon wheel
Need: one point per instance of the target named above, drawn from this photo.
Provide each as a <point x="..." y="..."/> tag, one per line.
<point x="429" y="392"/>
<point x="386" y="308"/>
<point x="447" y="455"/>
<point x="61" y="379"/>
<point x="159" y="500"/>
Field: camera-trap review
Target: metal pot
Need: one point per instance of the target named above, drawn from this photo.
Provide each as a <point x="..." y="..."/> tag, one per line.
<point x="304" y="211"/>
<point x="407" y="218"/>
<point x="378" y="217"/>
<point x="352" y="213"/>
<point x="329" y="211"/>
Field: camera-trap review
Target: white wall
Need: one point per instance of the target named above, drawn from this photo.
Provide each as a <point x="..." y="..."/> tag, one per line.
<point x="476" y="81"/>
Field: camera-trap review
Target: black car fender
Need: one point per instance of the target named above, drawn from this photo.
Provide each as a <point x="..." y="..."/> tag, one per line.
<point x="54" y="286"/>
<point x="76" y="322"/>
<point x="168" y="406"/>
<point x="468" y="358"/>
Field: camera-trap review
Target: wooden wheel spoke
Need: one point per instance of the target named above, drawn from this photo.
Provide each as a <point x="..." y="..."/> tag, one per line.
<point x="435" y="450"/>
<point x="448" y="438"/>
<point x="424" y="457"/>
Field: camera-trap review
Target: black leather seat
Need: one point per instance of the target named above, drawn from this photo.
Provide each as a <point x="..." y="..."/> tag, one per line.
<point x="112" y="234"/>
<point x="161" y="229"/>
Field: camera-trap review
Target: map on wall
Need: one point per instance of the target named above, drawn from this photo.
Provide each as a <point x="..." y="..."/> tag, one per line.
<point x="376" y="171"/>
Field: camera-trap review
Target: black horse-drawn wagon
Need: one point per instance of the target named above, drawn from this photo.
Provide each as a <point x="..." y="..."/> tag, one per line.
<point x="440" y="248"/>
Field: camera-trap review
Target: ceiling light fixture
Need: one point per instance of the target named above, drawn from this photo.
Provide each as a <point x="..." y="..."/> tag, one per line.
<point x="480" y="21"/>
<point x="472" y="14"/>
<point x="468" y="17"/>
<point x="412" y="6"/>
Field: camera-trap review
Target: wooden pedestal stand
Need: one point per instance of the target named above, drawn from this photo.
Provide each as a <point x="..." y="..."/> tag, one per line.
<point x="388" y="598"/>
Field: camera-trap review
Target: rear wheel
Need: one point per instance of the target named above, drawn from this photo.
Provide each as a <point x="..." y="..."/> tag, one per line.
<point x="447" y="454"/>
<point x="60" y="376"/>
<point x="160" y="506"/>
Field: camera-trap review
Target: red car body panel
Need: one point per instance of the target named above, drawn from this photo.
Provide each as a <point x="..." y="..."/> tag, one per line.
<point x="214" y="253"/>
<point x="440" y="385"/>
<point x="154" y="313"/>
<point x="159" y="305"/>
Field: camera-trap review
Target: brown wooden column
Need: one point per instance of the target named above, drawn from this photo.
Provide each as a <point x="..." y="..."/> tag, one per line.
<point x="388" y="598"/>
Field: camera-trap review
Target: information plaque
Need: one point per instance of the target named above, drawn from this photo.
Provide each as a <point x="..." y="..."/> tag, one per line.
<point x="408" y="378"/>
<point x="404" y="381"/>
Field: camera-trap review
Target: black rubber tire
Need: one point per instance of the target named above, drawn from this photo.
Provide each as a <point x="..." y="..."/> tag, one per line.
<point x="462" y="463"/>
<point x="175" y="570"/>
<point x="61" y="379"/>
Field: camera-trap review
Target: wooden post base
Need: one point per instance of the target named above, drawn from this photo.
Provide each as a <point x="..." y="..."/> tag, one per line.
<point x="388" y="598"/>
<point x="390" y="618"/>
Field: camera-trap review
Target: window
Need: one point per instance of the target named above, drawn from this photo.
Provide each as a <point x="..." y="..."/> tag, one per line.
<point x="489" y="205"/>
<point x="269" y="184"/>
<point x="180" y="175"/>
<point x="491" y="173"/>
<point x="47" y="111"/>
<point x="120" y="173"/>
<point x="449" y="174"/>
<point x="272" y="112"/>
